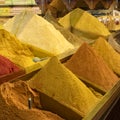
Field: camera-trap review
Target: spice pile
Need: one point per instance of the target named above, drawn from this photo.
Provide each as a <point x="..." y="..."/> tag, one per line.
<point x="111" y="57"/>
<point x="73" y="39"/>
<point x="83" y="24"/>
<point x="56" y="81"/>
<point x="6" y="66"/>
<point x="90" y="66"/>
<point x="37" y="31"/>
<point x="14" y="103"/>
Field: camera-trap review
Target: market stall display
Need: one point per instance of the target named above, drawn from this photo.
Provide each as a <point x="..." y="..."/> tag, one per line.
<point x="57" y="82"/>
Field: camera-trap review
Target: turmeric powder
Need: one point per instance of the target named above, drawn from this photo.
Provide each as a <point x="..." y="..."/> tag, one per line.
<point x="111" y="57"/>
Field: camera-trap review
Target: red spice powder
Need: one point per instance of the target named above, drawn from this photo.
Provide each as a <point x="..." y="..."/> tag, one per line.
<point x="6" y="66"/>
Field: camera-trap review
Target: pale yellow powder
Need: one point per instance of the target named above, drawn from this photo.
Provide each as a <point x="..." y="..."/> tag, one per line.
<point x="11" y="48"/>
<point x="56" y="81"/>
<point x="19" y="53"/>
<point x="37" y="31"/>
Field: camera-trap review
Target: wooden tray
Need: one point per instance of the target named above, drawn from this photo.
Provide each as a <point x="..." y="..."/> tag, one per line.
<point x="98" y="112"/>
<point x="67" y="113"/>
<point x="14" y="75"/>
<point x="104" y="106"/>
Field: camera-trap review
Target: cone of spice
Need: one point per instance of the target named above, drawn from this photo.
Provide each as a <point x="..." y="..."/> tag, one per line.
<point x="111" y="57"/>
<point x="35" y="30"/>
<point x="59" y="83"/>
<point x="83" y="24"/>
<point x="90" y="66"/>
<point x="73" y="39"/>
<point x="13" y="103"/>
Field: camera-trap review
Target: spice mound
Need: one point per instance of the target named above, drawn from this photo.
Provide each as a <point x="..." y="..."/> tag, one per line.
<point x="111" y="57"/>
<point x="13" y="49"/>
<point x="14" y="103"/>
<point x="83" y="24"/>
<point x="90" y="66"/>
<point x="37" y="31"/>
<point x="57" y="82"/>
<point x="113" y="42"/>
<point x="73" y="39"/>
<point x="7" y="67"/>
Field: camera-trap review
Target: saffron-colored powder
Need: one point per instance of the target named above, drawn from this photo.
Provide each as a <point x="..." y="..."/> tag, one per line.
<point x="7" y="67"/>
<point x="111" y="57"/>
<point x="59" y="83"/>
<point x="90" y="66"/>
<point x="14" y="103"/>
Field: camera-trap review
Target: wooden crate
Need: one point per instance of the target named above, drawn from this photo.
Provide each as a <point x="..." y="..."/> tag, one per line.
<point x="99" y="112"/>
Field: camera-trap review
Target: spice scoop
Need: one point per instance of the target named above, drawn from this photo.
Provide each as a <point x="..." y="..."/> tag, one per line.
<point x="37" y="59"/>
<point x="29" y="103"/>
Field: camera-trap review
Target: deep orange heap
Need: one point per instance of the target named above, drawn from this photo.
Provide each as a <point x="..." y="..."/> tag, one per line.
<point x="88" y="65"/>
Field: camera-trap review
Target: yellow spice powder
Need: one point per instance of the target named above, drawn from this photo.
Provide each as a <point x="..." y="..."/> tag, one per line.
<point x="14" y="50"/>
<point x="111" y="57"/>
<point x="83" y="24"/>
<point x="56" y="81"/>
<point x="90" y="66"/>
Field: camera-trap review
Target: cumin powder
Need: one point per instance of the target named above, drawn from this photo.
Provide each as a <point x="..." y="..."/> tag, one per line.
<point x="14" y="103"/>
<point x="35" y="30"/>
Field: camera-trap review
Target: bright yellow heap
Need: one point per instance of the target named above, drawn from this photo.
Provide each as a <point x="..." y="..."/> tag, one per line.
<point x="17" y="52"/>
<point x="84" y="24"/>
<point x="111" y="57"/>
<point x="11" y="48"/>
<point x="56" y="81"/>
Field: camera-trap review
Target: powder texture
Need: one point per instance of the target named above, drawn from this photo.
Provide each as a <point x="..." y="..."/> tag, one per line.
<point x="82" y="23"/>
<point x="56" y="81"/>
<point x="37" y="31"/>
<point x="14" y="103"/>
<point x="6" y="66"/>
<point x="14" y="50"/>
<point x="88" y="65"/>
<point x="73" y="39"/>
<point x="111" y="57"/>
